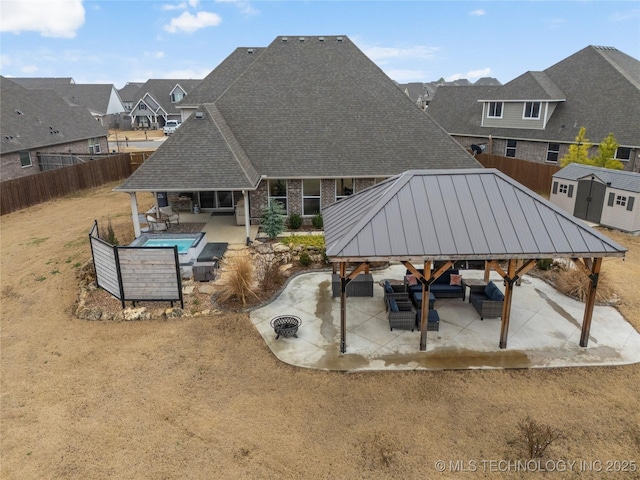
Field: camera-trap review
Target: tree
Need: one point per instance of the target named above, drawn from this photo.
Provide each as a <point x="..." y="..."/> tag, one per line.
<point x="606" y="153"/>
<point x="273" y="219"/>
<point x="578" y="152"/>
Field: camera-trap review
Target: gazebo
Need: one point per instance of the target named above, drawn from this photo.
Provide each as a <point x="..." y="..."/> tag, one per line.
<point x="424" y="216"/>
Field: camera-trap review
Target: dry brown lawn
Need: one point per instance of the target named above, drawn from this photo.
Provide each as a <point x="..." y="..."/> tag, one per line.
<point x="203" y="397"/>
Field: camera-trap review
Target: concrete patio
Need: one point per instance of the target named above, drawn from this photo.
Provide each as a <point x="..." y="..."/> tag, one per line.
<point x="544" y="330"/>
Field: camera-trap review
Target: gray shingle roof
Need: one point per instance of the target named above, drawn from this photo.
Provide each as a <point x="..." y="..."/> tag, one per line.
<point x="215" y="162"/>
<point x="619" y="179"/>
<point x="312" y="108"/>
<point x="529" y="86"/>
<point x="38" y="118"/>
<point x="128" y="92"/>
<point x="602" y="90"/>
<point x="222" y="76"/>
<point x="460" y="214"/>
<point x="41" y="82"/>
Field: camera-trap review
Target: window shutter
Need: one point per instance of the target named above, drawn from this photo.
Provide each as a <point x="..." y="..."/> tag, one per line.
<point x="570" y="194"/>
<point x="611" y="199"/>
<point x="555" y="187"/>
<point x="630" y="203"/>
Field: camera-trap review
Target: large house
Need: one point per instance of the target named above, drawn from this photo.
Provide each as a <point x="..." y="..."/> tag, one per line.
<point x="538" y="115"/>
<point x="156" y="101"/>
<point x="305" y="122"/>
<point x="35" y="124"/>
<point x="102" y="100"/>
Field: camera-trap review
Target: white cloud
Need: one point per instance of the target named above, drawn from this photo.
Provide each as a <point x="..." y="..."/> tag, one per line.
<point x="51" y="18"/>
<point x="185" y="73"/>
<point x="190" y="23"/>
<point x="622" y="16"/>
<point x="29" y="69"/>
<point x="243" y="6"/>
<point x="380" y="55"/>
<point x="157" y="54"/>
<point x="477" y="13"/>
<point x="470" y="75"/>
<point x="174" y="6"/>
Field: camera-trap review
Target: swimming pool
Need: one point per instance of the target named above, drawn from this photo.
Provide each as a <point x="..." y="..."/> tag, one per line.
<point x="190" y="246"/>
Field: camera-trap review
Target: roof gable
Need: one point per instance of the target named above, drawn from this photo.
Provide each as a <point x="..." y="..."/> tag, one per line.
<point x="160" y="90"/>
<point x="462" y="214"/>
<point x="529" y="86"/>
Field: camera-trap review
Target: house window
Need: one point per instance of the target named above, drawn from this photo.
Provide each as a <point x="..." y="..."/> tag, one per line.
<point x="511" y="148"/>
<point x="563" y="188"/>
<point x="621" y="200"/>
<point x="553" y="151"/>
<point x="495" y="110"/>
<point x="177" y="96"/>
<point x="278" y="192"/>
<point x="310" y="196"/>
<point x="623" y="153"/>
<point x="532" y="110"/>
<point x="344" y="187"/>
<point x="25" y="159"/>
<point x="94" y="145"/>
<point x="142" y="106"/>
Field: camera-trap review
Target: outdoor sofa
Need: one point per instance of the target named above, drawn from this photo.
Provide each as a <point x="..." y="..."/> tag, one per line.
<point x="443" y="287"/>
<point x="488" y="302"/>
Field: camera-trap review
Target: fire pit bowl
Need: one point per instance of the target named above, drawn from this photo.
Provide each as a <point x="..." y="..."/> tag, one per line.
<point x="285" y="326"/>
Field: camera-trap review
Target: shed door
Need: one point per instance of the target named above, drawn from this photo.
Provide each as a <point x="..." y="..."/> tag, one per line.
<point x="589" y="200"/>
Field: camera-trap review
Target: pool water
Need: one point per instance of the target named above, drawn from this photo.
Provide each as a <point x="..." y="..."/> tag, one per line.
<point x="183" y="244"/>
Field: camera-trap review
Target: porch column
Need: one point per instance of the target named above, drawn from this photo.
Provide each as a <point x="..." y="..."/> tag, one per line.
<point x="134" y="214"/>
<point x="590" y="301"/>
<point x="245" y="195"/>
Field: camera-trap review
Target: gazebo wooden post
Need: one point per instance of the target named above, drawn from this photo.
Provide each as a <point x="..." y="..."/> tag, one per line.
<point x="506" y="306"/>
<point x="424" y="311"/>
<point x="487" y="270"/>
<point x="343" y="307"/>
<point x="590" y="301"/>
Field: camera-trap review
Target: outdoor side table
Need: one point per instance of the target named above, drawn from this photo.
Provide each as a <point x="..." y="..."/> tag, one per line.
<point x="475" y="286"/>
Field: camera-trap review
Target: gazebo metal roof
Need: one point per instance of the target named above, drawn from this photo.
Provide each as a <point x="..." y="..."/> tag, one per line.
<point x="456" y="214"/>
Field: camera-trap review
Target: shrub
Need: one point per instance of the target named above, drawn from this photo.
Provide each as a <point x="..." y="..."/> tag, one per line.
<point x="295" y="221"/>
<point x="273" y="219"/>
<point x="237" y="280"/>
<point x="268" y="272"/>
<point x="545" y="263"/>
<point x="110" y="235"/>
<point x="537" y="436"/>
<point x="317" y="221"/>
<point x="576" y="284"/>
<point x="305" y="259"/>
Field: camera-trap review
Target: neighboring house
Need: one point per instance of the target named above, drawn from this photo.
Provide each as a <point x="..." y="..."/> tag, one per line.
<point x="38" y="123"/>
<point x="156" y="101"/>
<point x="538" y="115"/>
<point x="294" y="124"/>
<point x="422" y="93"/>
<point x="102" y="100"/>
<point x="599" y="195"/>
<point x="128" y="93"/>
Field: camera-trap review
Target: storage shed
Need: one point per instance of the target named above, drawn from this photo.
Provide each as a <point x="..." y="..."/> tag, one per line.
<point x="599" y="195"/>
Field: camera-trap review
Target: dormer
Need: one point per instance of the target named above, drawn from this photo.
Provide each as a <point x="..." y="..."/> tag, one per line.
<point x="526" y="102"/>
<point x="177" y="94"/>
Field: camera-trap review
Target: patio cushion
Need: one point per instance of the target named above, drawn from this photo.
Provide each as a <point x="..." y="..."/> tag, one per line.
<point x="387" y="287"/>
<point x="393" y="305"/>
<point x="488" y="290"/>
<point x="497" y="295"/>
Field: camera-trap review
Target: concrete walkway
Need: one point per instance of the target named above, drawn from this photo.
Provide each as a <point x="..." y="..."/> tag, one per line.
<point x="544" y="331"/>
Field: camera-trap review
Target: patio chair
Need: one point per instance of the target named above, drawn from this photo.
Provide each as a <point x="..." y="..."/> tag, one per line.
<point x="394" y="291"/>
<point x="169" y="215"/>
<point x="156" y="224"/>
<point x="401" y="314"/>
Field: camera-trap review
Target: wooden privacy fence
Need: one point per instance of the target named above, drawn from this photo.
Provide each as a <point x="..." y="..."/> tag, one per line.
<point x="136" y="274"/>
<point x="23" y="192"/>
<point x="535" y="176"/>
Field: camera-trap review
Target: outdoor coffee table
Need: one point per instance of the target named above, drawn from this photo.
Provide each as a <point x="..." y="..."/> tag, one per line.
<point x="475" y="286"/>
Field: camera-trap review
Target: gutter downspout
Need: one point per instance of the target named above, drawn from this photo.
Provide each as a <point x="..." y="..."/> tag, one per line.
<point x="245" y="195"/>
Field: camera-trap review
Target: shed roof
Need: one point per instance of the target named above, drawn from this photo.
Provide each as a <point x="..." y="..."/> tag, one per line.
<point x="456" y="214"/>
<point x="620" y="179"/>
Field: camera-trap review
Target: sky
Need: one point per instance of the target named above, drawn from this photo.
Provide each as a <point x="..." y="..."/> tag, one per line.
<point x="120" y="41"/>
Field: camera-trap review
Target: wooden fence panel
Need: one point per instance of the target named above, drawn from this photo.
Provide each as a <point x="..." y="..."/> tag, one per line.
<point x="149" y="273"/>
<point x="23" y="192"/>
<point x="535" y="176"/>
